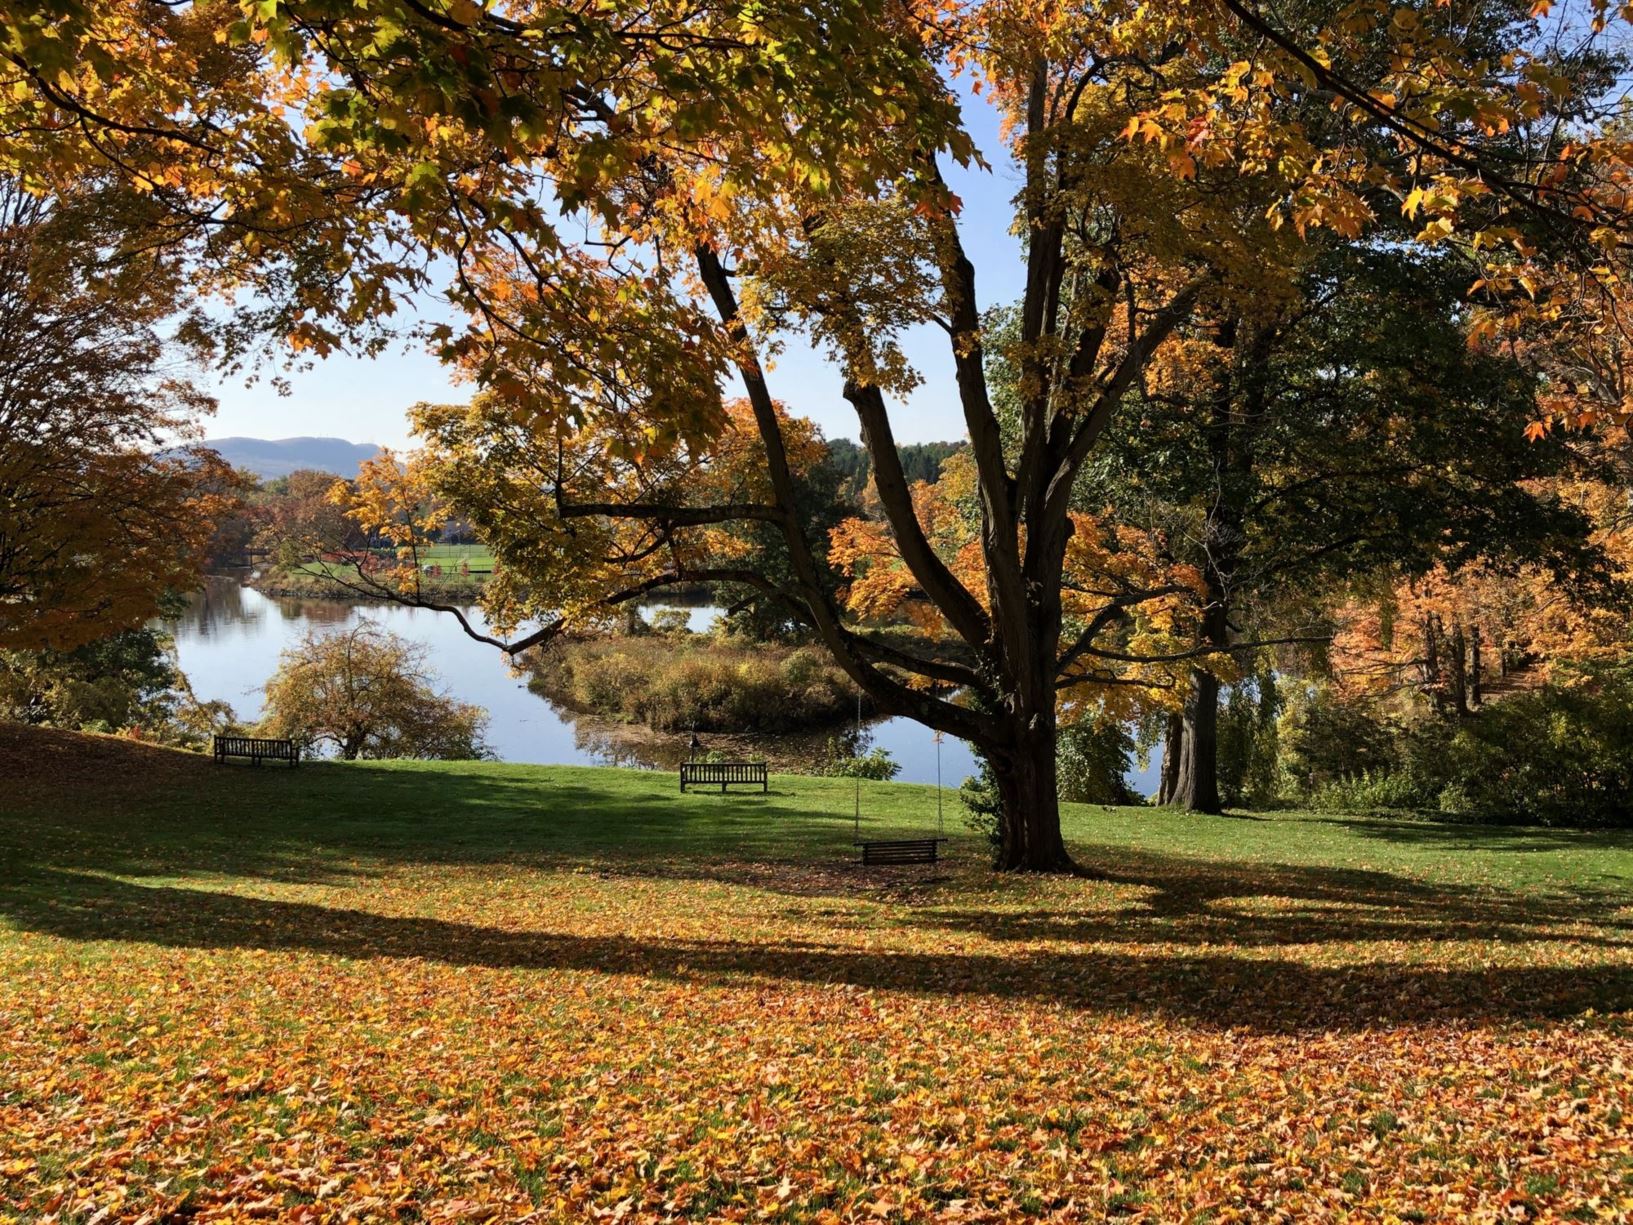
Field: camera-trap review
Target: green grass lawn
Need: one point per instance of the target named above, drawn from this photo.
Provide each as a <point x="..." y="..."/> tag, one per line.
<point x="476" y="555"/>
<point x="449" y="556"/>
<point x="478" y="991"/>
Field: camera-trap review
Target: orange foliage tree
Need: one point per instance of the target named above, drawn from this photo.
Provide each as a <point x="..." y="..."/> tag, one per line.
<point x="95" y="528"/>
<point x="734" y="171"/>
<point x="1457" y="635"/>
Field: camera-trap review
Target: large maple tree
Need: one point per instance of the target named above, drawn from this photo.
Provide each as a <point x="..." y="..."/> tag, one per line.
<point x="639" y="201"/>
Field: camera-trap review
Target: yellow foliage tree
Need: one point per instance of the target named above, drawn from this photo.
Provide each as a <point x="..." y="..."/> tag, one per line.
<point x="95" y="528"/>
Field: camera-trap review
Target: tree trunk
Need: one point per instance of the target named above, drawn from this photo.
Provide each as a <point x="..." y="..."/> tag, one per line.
<point x="1431" y="661"/>
<point x="1029" y="815"/>
<point x="1197" y="788"/>
<point x="1173" y="746"/>
<point x="1230" y="447"/>
<point x="1474" y="665"/>
<point x="1458" y="681"/>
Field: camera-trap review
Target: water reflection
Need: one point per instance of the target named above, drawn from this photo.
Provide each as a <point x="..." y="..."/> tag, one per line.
<point x="229" y="639"/>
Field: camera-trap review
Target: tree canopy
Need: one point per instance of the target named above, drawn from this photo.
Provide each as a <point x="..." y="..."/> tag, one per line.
<point x="638" y="202"/>
<point x="366" y="693"/>
<point x="95" y="526"/>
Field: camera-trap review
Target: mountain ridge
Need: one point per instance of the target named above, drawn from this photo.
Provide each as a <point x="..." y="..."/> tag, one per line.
<point x="270" y="458"/>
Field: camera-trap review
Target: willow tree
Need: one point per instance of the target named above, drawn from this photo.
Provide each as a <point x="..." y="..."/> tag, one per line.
<point x="641" y="201"/>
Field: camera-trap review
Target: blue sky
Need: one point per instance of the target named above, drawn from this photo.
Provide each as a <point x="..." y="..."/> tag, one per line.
<point x="366" y="400"/>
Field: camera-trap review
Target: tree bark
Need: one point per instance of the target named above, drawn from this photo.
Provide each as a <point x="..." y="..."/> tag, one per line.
<point x="1029" y="816"/>
<point x="1457" y="658"/>
<point x="1173" y="746"/>
<point x="1230" y="444"/>
<point x="1197" y="788"/>
<point x="1431" y="660"/>
<point x="1475" y="677"/>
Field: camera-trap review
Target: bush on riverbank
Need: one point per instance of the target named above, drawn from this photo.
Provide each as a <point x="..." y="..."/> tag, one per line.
<point x="707" y="685"/>
<point x="313" y="581"/>
<point x="1559" y="755"/>
<point x="128" y="683"/>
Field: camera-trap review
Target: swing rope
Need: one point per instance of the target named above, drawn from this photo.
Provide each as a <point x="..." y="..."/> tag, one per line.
<point x="895" y="850"/>
<point x="941" y="829"/>
<point x="856" y="821"/>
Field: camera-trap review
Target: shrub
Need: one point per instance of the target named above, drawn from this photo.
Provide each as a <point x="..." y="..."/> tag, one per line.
<point x="846" y="761"/>
<point x="367" y="694"/>
<point x="1249" y="774"/>
<point x="1093" y="763"/>
<point x="979" y="795"/>
<point x="127" y="682"/>
<point x="1559" y="755"/>
<point x="697" y="683"/>
<point x="1367" y="792"/>
<point x="1325" y="737"/>
<point x="671" y="622"/>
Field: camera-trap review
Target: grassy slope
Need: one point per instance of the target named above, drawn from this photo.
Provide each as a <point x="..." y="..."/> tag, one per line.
<point x="417" y="988"/>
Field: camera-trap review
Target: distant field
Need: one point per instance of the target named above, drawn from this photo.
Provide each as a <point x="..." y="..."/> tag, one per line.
<point x="476" y="992"/>
<point x="449" y="556"/>
<point x="476" y="555"/>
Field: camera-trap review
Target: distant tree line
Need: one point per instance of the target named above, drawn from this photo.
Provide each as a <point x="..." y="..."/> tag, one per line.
<point x="921" y="461"/>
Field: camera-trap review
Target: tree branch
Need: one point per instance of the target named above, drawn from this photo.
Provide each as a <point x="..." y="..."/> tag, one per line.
<point x="677" y="516"/>
<point x="940" y="585"/>
<point x="890" y="694"/>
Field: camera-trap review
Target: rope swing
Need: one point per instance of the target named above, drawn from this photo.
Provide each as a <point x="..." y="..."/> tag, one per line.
<point x="882" y="851"/>
<point x="856" y="822"/>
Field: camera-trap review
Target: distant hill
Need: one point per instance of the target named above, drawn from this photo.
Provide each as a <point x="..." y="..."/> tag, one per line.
<point x="274" y="457"/>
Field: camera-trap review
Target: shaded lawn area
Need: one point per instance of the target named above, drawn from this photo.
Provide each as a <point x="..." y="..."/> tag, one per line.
<point x="451" y="991"/>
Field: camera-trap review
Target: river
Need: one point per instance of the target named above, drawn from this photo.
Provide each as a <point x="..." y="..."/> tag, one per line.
<point x="229" y="639"/>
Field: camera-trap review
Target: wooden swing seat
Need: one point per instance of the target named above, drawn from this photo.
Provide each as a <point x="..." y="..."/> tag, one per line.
<point x="901" y="850"/>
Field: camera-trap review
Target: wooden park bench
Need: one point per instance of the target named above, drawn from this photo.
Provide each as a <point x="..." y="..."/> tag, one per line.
<point x="901" y="850"/>
<point x="723" y="774"/>
<point x="255" y="748"/>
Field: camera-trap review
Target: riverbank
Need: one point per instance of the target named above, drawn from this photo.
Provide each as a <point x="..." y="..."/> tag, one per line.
<point x="314" y="581"/>
<point x="449" y="583"/>
<point x="685" y="682"/>
<point x="229" y="639"/>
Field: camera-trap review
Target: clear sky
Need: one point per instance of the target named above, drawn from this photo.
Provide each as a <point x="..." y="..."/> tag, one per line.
<point x="366" y="400"/>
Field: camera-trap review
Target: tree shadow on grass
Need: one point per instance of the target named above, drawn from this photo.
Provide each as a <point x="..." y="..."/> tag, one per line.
<point x="1454" y="836"/>
<point x="1266" y="995"/>
<point x="171" y="817"/>
<point x="1192" y="901"/>
<point x="149" y="812"/>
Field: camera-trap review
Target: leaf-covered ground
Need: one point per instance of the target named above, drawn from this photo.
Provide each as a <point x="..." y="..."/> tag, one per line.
<point x="477" y="992"/>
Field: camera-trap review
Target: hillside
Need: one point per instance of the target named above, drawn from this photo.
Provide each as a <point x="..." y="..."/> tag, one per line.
<point x="269" y="458"/>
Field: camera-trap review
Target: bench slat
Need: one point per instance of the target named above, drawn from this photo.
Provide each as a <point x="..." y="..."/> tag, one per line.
<point x="901" y="850"/>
